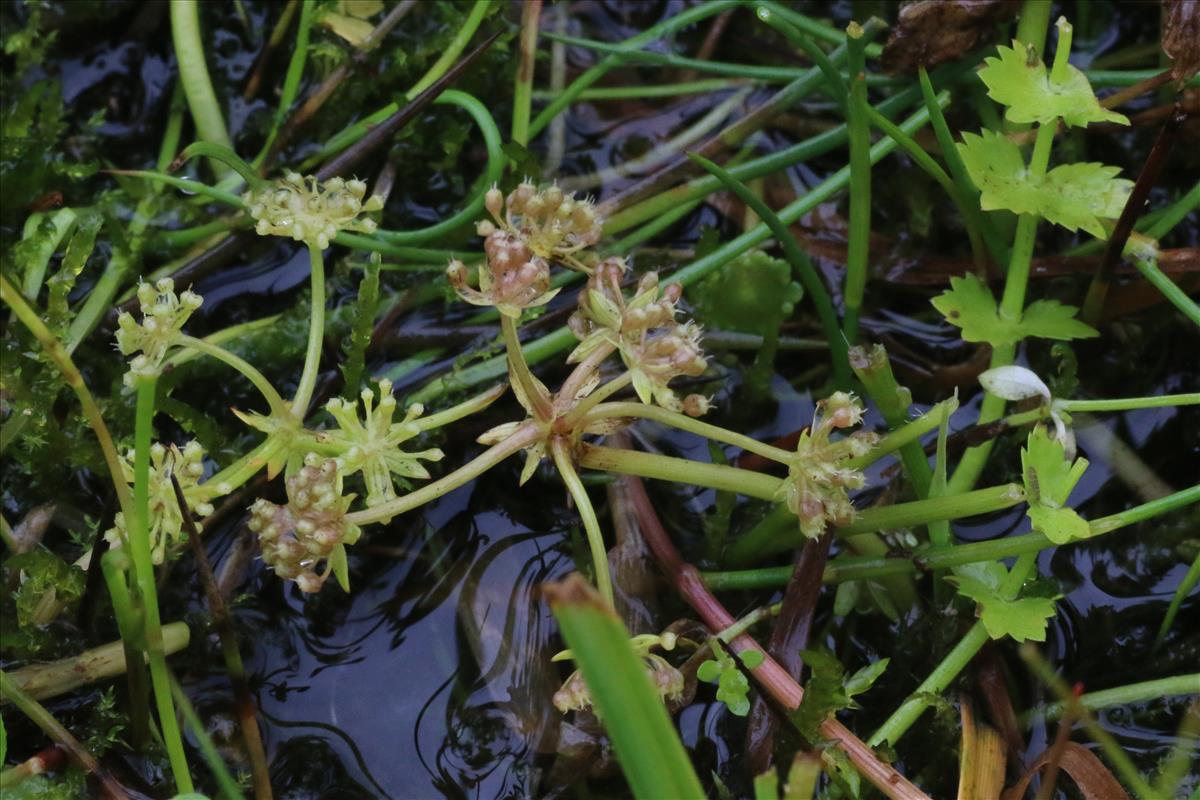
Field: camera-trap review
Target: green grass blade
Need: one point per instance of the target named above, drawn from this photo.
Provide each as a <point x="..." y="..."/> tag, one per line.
<point x="643" y="736"/>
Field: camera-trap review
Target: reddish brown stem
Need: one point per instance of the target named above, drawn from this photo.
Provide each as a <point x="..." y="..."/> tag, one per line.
<point x="1146" y="179"/>
<point x="772" y="677"/>
<point x="788" y="638"/>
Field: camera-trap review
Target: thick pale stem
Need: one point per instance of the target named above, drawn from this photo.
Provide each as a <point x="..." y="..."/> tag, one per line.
<point x="686" y="423"/>
<point x="519" y="373"/>
<point x="566" y="468"/>
<point x="316" y="335"/>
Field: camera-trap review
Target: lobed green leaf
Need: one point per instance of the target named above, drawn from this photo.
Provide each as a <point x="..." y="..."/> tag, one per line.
<point x="1028" y="89"/>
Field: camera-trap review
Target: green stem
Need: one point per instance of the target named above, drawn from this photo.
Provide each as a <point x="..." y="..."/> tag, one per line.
<point x="143" y="566"/>
<point x="73" y="378"/>
<point x="316" y="336"/>
<point x="519" y="373"/>
<point x="958" y="172"/>
<point x="595" y="73"/>
<point x="1121" y="696"/>
<point x="872" y="367"/>
<point x="856" y="568"/>
<point x="583" y="504"/>
<point x="958" y="658"/>
<point x="496" y="161"/>
<point x="1189" y="582"/>
<point x="776" y="532"/>
<point x="1012" y="303"/>
<point x="679" y="470"/>
<point x="531" y="12"/>
<point x="858" y="127"/>
<point x="454" y="49"/>
<point x="642" y="92"/>
<point x="801" y="266"/>
<point x="1128" y="403"/>
<point x="523" y="437"/>
<point x="193" y="74"/>
<point x="227" y="784"/>
<point x="45" y="721"/>
<point x="1108" y="745"/>
<point x="1161" y="281"/>
<point x="275" y="402"/>
<point x="291" y="81"/>
<point x="686" y="423"/>
<point x="114" y="565"/>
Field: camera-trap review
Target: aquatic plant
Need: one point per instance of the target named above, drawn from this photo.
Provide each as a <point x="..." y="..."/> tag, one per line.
<point x="320" y="464"/>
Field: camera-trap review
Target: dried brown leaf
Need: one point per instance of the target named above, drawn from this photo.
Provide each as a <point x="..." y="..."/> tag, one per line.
<point x="1181" y="37"/>
<point x="1094" y="780"/>
<point x="930" y="32"/>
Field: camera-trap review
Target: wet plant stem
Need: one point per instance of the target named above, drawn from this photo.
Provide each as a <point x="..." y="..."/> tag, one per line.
<point x="316" y="335"/>
<point x="1176" y="685"/>
<point x="227" y="784"/>
<point x="518" y="440"/>
<point x="193" y="74"/>
<point x="774" y="680"/>
<point x="147" y="592"/>
<point x="519" y="373"/>
<point x="222" y="621"/>
<point x="291" y="81"/>
<point x="275" y="402"/>
<point x="957" y="659"/>
<point x="595" y="73"/>
<point x="44" y="681"/>
<point x="44" y="720"/>
<point x="800" y="263"/>
<point x="685" y="423"/>
<point x="560" y="451"/>
<point x="61" y="359"/>
<point x="1109" y="746"/>
<point x="531" y="13"/>
<point x="348" y="136"/>
<point x="115" y="567"/>
<point x="1012" y="303"/>
<point x="859" y="234"/>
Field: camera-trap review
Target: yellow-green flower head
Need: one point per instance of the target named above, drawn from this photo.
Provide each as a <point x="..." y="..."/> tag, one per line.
<point x="573" y="695"/>
<point x="309" y="211"/>
<point x="163" y="316"/>
<point x="167" y="536"/>
<point x="819" y="479"/>
<point x="296" y="538"/>
<point x="371" y="444"/>
<point x="654" y="346"/>
<point x="552" y="224"/>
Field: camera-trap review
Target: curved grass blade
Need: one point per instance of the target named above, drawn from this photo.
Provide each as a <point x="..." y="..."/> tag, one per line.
<point x="645" y="740"/>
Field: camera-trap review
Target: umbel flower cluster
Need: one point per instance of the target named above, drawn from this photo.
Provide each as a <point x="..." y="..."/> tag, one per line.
<point x="166" y="521"/>
<point x="531" y="229"/>
<point x="164" y="314"/>
<point x="819" y="477"/>
<point x="371" y="445"/>
<point x="573" y="695"/>
<point x="309" y="211"/>
<point x="298" y="537"/>
<point x="654" y="346"/>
